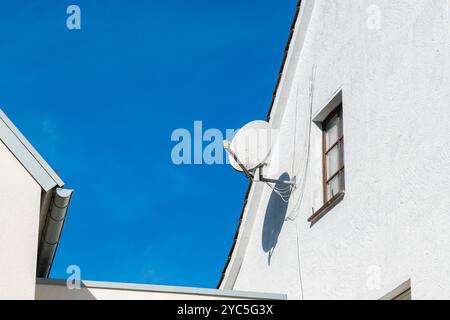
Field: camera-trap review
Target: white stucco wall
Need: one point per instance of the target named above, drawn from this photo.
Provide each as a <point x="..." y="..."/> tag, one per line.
<point x="394" y="222"/>
<point x="19" y="224"/>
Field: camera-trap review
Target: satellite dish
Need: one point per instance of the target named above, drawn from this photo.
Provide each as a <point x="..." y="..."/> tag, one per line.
<point x="248" y="153"/>
<point x="251" y="145"/>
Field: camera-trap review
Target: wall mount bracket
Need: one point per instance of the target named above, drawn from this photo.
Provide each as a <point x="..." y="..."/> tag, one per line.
<point x="256" y="174"/>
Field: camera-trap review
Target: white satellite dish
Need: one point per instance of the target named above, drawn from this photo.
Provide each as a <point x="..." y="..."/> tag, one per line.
<point x="251" y="145"/>
<point x="249" y="150"/>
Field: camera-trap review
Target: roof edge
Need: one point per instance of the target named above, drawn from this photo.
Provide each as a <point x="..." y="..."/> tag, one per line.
<point x="279" y="85"/>
<point x="27" y="155"/>
<point x="285" y="56"/>
<point x="167" y="289"/>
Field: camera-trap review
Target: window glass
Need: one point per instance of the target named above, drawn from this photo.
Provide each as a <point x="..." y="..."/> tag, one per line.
<point x="332" y="133"/>
<point x="333" y="187"/>
<point x="333" y="161"/>
<point x="333" y="158"/>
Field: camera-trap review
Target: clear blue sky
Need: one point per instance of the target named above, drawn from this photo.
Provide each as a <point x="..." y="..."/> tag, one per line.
<point x="100" y="105"/>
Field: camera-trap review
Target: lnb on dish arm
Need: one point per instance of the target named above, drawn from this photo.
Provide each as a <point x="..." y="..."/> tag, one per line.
<point x="226" y="144"/>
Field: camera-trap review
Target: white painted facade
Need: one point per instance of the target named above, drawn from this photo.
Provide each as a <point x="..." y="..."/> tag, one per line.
<point x="20" y="198"/>
<point x="394" y="220"/>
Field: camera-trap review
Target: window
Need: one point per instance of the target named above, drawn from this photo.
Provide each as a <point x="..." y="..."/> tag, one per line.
<point x="329" y="167"/>
<point x="333" y="155"/>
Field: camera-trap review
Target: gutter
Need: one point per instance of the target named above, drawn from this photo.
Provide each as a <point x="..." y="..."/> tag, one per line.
<point x="55" y="219"/>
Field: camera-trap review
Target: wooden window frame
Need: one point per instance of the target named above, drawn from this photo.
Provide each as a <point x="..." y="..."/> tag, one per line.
<point x="330" y="202"/>
<point x="325" y="151"/>
<point x="399" y="293"/>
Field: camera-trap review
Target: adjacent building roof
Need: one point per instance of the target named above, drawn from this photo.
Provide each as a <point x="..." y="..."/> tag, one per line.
<point x="123" y="288"/>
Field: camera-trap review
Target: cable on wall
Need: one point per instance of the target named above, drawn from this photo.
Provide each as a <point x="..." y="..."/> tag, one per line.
<point x="305" y="170"/>
<point x="308" y="148"/>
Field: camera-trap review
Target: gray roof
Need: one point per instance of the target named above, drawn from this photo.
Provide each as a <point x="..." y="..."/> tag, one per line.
<point x="38" y="168"/>
<point x="168" y="289"/>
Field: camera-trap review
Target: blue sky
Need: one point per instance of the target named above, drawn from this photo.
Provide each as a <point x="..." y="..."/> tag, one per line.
<point x="100" y="104"/>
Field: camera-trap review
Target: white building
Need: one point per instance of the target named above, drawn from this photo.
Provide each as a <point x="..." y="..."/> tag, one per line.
<point x="375" y="74"/>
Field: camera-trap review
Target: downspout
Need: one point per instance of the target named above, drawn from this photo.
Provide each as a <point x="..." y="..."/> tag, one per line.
<point x="51" y="234"/>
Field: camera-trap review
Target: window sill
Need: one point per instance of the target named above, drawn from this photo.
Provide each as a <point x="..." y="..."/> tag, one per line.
<point x="326" y="208"/>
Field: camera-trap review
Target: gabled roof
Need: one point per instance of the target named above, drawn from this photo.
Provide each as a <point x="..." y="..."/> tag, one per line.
<point x="31" y="160"/>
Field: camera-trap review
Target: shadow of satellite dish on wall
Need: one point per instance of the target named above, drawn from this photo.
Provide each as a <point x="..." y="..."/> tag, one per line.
<point x="274" y="218"/>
